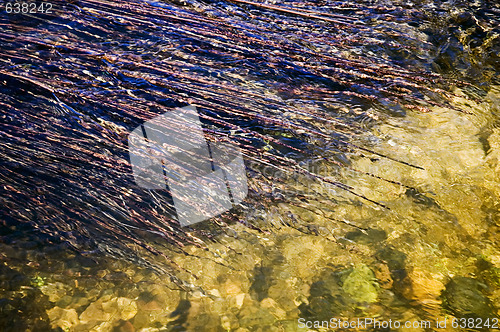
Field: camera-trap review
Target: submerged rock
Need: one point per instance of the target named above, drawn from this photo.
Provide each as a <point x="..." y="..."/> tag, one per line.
<point x="256" y="317"/>
<point x="55" y="291"/>
<point x="425" y="290"/>
<point x="326" y="298"/>
<point x="464" y="297"/>
<point x="361" y="284"/>
<point x="383" y="275"/>
<point x="341" y="293"/>
<point x="63" y="318"/>
<point x="106" y="309"/>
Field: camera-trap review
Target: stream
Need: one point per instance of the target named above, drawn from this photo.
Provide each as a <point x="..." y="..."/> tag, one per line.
<point x="370" y="135"/>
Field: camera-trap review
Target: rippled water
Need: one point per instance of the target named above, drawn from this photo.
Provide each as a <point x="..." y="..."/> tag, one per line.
<point x="370" y="136"/>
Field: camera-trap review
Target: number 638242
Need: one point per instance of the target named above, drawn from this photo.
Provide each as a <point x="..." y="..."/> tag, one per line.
<point x="20" y="7"/>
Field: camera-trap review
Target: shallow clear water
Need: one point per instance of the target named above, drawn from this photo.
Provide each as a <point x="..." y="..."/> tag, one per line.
<point x="371" y="140"/>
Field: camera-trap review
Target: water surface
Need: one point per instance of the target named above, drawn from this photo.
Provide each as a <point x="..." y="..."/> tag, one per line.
<point x="370" y="135"/>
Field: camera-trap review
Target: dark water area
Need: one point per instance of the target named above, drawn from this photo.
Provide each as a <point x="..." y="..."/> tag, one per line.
<point x="315" y="95"/>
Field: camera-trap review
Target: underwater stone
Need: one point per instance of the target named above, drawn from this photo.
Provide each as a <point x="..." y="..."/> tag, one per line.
<point x="127" y="308"/>
<point x="273" y="308"/>
<point x="253" y="316"/>
<point x="395" y="261"/>
<point x="424" y="289"/>
<point x="369" y="236"/>
<point x="55" y="291"/>
<point x="229" y="322"/>
<point x="326" y="299"/>
<point x="63" y="318"/>
<point x="383" y="275"/>
<point x="303" y="254"/>
<point x="360" y="284"/>
<point x="464" y="297"/>
<point x="103" y="310"/>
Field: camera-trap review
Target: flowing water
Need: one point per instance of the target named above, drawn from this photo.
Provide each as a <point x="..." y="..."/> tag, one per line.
<point x="371" y="139"/>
